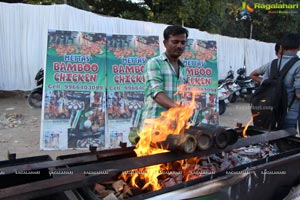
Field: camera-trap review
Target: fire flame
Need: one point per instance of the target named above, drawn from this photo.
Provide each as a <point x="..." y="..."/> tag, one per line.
<point x="172" y="121"/>
<point x="247" y="125"/>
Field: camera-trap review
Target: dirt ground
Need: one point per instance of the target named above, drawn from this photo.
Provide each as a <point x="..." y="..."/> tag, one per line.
<point x="20" y="125"/>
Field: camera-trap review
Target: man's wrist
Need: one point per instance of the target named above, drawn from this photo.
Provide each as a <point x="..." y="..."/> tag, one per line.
<point x="176" y="104"/>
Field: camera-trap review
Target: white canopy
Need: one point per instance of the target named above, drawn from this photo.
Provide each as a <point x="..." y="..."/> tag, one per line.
<point x="24" y="28"/>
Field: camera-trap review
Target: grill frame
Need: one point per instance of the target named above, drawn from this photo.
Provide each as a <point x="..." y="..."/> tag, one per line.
<point x="109" y="159"/>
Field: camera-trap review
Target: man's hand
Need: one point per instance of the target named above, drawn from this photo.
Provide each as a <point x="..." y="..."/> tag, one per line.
<point x="165" y="101"/>
<point x="255" y="76"/>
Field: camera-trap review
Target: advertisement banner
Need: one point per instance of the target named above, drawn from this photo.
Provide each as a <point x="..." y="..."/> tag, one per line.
<point x="200" y="59"/>
<point x="73" y="111"/>
<point x="126" y="57"/>
<point x="94" y="87"/>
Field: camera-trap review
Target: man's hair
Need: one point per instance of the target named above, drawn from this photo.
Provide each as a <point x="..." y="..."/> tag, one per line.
<point x="277" y="47"/>
<point x="290" y="41"/>
<point x="175" y="30"/>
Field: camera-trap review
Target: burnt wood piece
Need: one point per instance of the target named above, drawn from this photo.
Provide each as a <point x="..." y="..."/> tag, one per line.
<point x="72" y="160"/>
<point x="97" y="172"/>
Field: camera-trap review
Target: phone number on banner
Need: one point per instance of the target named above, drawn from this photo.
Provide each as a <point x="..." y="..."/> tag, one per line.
<point x="83" y="87"/>
<point x="134" y="88"/>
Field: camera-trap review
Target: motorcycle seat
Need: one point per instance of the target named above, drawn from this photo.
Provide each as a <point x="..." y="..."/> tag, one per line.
<point x="246" y="80"/>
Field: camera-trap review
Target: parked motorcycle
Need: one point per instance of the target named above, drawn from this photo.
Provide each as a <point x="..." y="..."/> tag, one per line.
<point x="223" y="95"/>
<point x="36" y="95"/>
<point x="231" y="86"/>
<point x="246" y="84"/>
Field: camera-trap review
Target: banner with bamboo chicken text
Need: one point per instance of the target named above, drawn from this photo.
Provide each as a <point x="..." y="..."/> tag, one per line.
<point x="126" y="57"/>
<point x="94" y="86"/>
<point x="200" y="60"/>
<point x="74" y="99"/>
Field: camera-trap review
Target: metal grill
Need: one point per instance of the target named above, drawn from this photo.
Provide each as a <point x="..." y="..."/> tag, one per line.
<point x="70" y="176"/>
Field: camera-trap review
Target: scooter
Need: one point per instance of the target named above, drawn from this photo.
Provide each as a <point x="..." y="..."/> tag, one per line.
<point x="223" y="94"/>
<point x="231" y="86"/>
<point x="234" y="90"/>
<point x="35" y="97"/>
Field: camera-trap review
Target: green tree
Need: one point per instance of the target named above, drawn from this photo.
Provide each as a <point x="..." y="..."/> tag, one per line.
<point x="119" y="8"/>
<point x="217" y="17"/>
<point x="223" y="17"/>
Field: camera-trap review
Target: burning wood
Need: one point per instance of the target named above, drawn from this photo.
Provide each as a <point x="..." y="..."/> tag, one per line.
<point x="115" y="190"/>
<point x="100" y="190"/>
<point x="118" y="185"/>
<point x="173" y="179"/>
<point x="180" y="171"/>
<point x="177" y="172"/>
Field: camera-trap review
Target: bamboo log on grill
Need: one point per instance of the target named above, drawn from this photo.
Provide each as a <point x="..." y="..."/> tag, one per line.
<point x="222" y="137"/>
<point x="204" y="139"/>
<point x="184" y="143"/>
<point x="232" y="136"/>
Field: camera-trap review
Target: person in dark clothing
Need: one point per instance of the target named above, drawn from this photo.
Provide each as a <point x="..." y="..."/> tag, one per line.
<point x="287" y="49"/>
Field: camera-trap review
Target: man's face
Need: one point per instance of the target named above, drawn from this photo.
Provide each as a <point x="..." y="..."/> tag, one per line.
<point x="175" y="45"/>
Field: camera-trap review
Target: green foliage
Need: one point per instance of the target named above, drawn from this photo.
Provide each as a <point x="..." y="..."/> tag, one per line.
<point x="223" y="17"/>
<point x="118" y="8"/>
<point x="218" y="16"/>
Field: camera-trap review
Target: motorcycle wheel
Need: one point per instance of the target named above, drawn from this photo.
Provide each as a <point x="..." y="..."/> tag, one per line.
<point x="35" y="99"/>
<point x="222" y="107"/>
<point x="232" y="98"/>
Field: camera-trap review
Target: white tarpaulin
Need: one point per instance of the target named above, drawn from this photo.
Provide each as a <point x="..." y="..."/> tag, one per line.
<point x="23" y="40"/>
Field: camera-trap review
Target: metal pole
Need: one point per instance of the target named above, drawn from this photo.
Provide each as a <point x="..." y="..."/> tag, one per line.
<point x="251" y="29"/>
